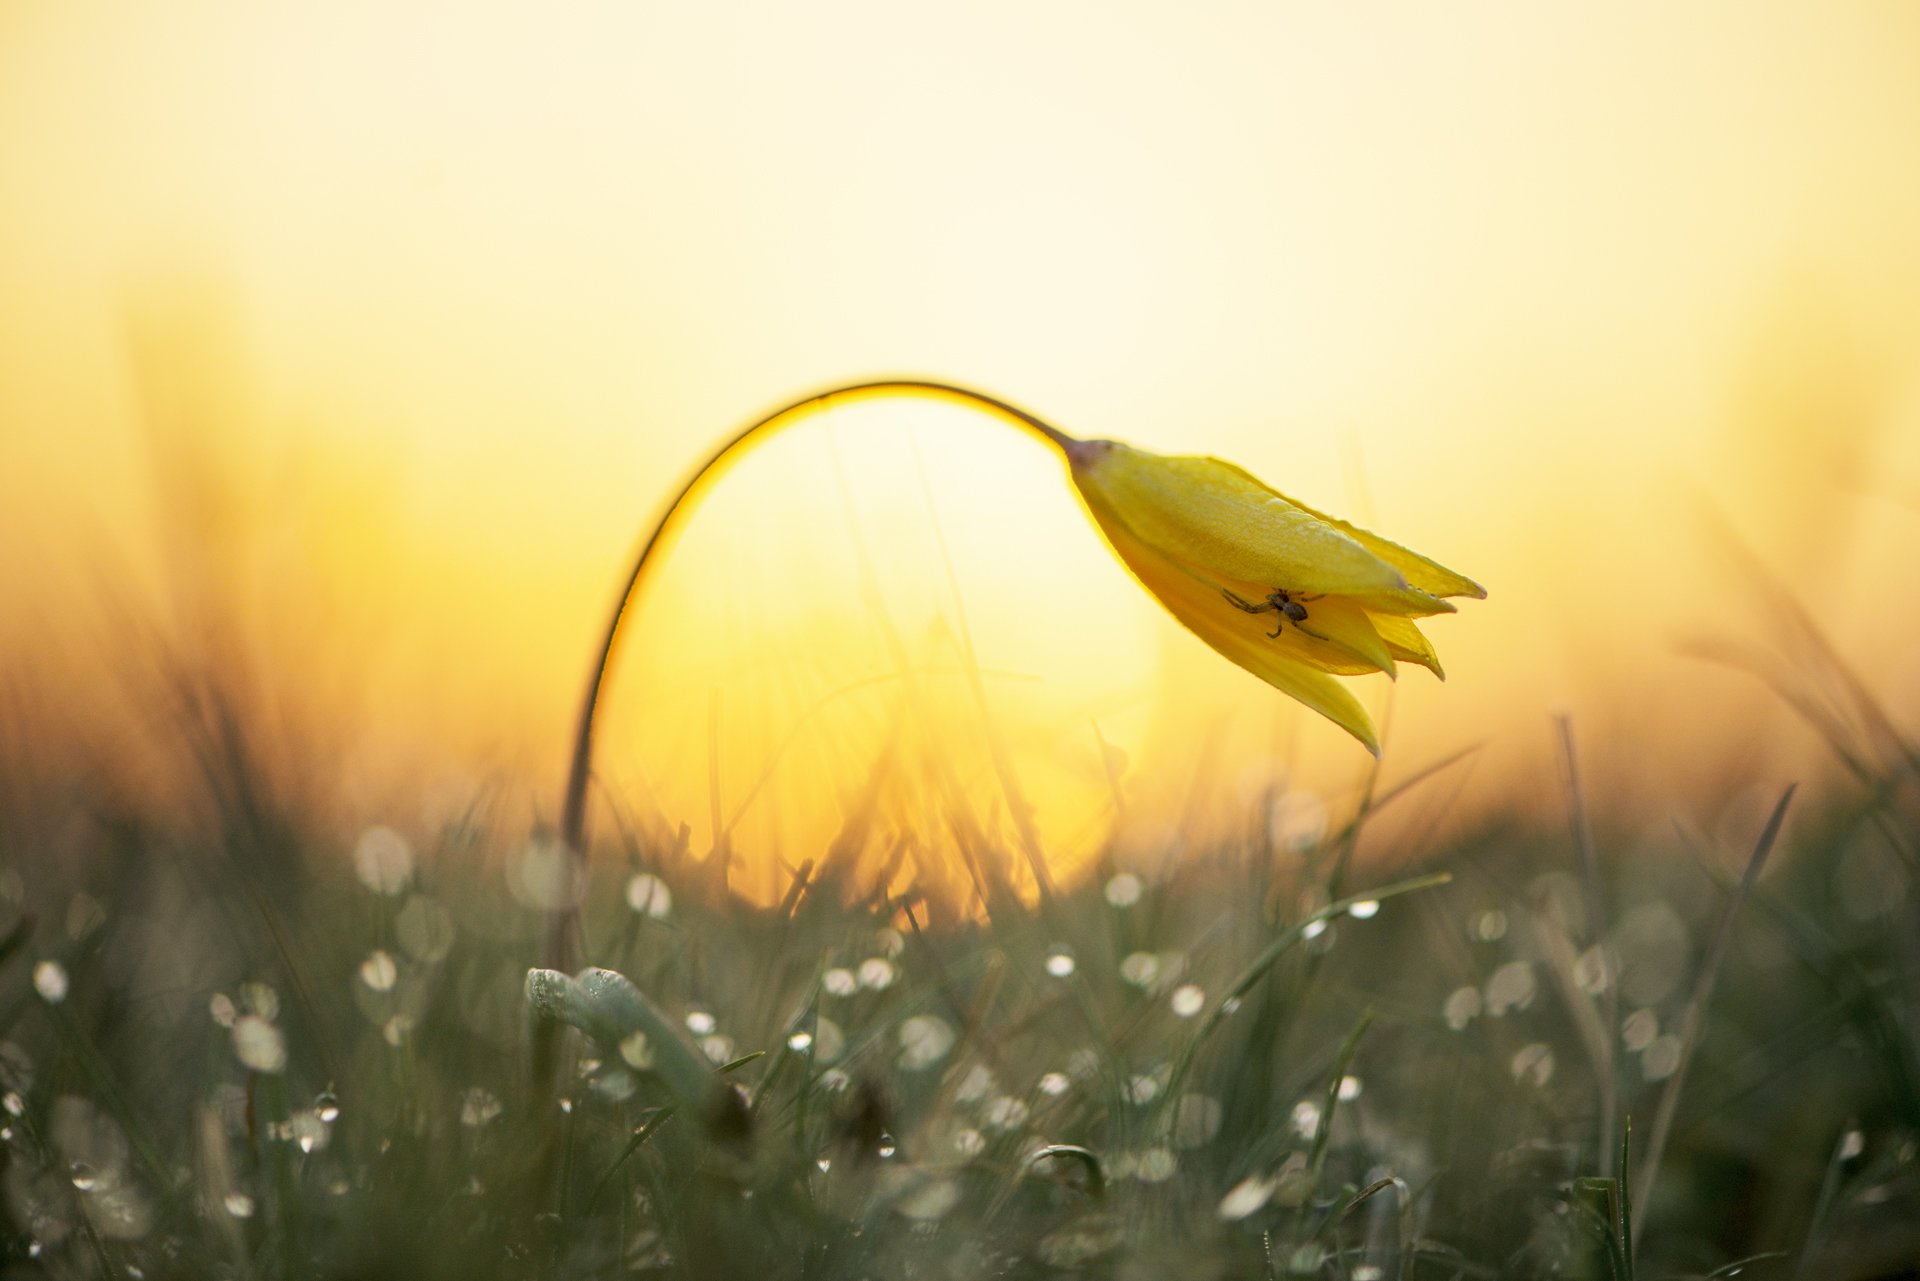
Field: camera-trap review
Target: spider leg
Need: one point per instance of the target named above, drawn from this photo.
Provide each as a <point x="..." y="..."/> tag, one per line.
<point x="1241" y="603"/>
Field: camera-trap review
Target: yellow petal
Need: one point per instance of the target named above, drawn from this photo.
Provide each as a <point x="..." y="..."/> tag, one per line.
<point x="1224" y="524"/>
<point x="1407" y="643"/>
<point x="1239" y="636"/>
<point x="1428" y="576"/>
<point x="1336" y="636"/>
<point x="1410" y="603"/>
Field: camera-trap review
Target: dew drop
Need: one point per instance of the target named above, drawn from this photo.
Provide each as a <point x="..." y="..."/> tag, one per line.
<point x="839" y="982"/>
<point x="1662" y="1057"/>
<point x="800" y="1042"/>
<point x="1188" y="1000"/>
<point x="636" y="1052"/>
<point x="85" y="1177"/>
<point x="701" y="1023"/>
<point x="1124" y="890"/>
<point x="1140" y="969"/>
<point x="1055" y="1083"/>
<point x="478" y="1107"/>
<point x="383" y="860"/>
<point x="648" y="895"/>
<point x="258" y="1044"/>
<point x="50" y="981"/>
<point x="877" y="973"/>
<point x="1156" y="1165"/>
<point x="239" y="1205"/>
<point x="327" y="1107"/>
<point x="1245" y="1197"/>
<point x="1364" y="910"/>
<point x="379" y="972"/>
<point x="1059" y="963"/>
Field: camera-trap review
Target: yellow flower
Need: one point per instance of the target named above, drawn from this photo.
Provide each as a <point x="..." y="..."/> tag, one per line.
<point x="1293" y="596"/>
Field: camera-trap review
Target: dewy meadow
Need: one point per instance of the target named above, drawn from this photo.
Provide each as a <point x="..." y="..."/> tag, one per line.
<point x="1379" y="744"/>
<point x="1346" y="1036"/>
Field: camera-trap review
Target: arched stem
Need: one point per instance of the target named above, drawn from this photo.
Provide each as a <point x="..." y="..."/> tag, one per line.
<point x="563" y="925"/>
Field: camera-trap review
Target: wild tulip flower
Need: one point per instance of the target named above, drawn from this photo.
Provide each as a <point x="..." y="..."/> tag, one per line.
<point x="1294" y="596"/>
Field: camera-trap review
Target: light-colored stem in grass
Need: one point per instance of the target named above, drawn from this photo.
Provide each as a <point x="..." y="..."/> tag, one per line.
<point x="1693" y="1023"/>
<point x="563" y="922"/>
<point x="1600" y="1047"/>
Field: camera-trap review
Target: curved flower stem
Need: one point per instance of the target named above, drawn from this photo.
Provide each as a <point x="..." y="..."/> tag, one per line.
<point x="563" y="923"/>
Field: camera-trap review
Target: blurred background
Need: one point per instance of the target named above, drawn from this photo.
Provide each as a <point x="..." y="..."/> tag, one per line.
<point x="345" y="351"/>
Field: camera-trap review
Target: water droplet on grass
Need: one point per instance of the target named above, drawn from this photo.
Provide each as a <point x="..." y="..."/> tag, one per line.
<point x="1006" y="1113"/>
<point x="1188" y="1000"/>
<point x="1059" y="963"/>
<point x="383" y="860"/>
<point x="877" y="973"/>
<point x="1364" y="910"/>
<point x="1155" y="1165"/>
<point x="1510" y="988"/>
<point x="15" y="1105"/>
<point x="1638" y="1030"/>
<point x="1533" y="1063"/>
<point x="1124" y="890"/>
<point x="1661" y="1058"/>
<point x="1055" y="1083"/>
<point x="1349" y="1088"/>
<point x="327" y="1107"/>
<point x="85" y="1177"/>
<point x="1140" y="969"/>
<point x="800" y="1042"/>
<point x="924" y="1041"/>
<point x="1245" y="1197"/>
<point x="259" y="1044"/>
<point x="839" y="982"/>
<point x="239" y="1205"/>
<point x="260" y="998"/>
<point x="50" y="981"/>
<point x="701" y="1023"/>
<point x="1462" y="1007"/>
<point x="1306" y="1118"/>
<point x="648" y="895"/>
<point x="478" y="1107"/>
<point x="379" y="972"/>
<point x="220" y="1007"/>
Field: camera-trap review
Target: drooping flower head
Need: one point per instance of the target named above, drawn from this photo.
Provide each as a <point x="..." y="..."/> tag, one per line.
<point x="1294" y="596"/>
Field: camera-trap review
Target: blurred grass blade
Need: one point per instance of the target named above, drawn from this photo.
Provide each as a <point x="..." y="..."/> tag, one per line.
<point x="610" y="1009"/>
<point x="1693" y="1023"/>
<point x="1322" y="1135"/>
<point x="646" y="1130"/>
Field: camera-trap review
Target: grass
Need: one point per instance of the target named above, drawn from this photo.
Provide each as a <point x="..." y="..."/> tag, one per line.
<point x="230" y="1050"/>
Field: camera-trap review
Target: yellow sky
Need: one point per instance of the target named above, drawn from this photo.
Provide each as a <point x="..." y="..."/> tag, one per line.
<point x="450" y="295"/>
